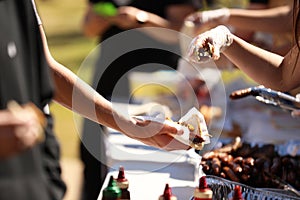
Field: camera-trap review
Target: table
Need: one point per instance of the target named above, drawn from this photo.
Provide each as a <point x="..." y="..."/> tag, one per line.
<point x="148" y="169"/>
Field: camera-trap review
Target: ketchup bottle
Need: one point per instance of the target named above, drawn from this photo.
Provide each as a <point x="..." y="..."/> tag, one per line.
<point x="203" y="192"/>
<point x="112" y="191"/>
<point x="167" y="195"/>
<point x="123" y="184"/>
<point x="237" y="193"/>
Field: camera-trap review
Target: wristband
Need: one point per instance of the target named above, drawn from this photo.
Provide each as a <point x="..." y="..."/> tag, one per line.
<point x="142" y="17"/>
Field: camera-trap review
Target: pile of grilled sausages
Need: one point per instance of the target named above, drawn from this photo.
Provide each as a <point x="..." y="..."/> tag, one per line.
<point x="253" y="165"/>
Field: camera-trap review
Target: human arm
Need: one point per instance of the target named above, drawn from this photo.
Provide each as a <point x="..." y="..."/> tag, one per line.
<point x="272" y="20"/>
<point x="129" y="17"/>
<point x="78" y="96"/>
<point x="271" y="70"/>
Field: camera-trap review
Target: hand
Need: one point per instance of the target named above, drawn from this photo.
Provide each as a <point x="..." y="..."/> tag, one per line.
<point x="127" y="17"/>
<point x="157" y="134"/>
<point x="211" y="18"/>
<point x="210" y="44"/>
<point x="20" y="128"/>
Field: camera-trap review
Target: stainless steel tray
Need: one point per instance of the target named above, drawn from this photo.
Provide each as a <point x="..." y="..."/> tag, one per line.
<point x="223" y="190"/>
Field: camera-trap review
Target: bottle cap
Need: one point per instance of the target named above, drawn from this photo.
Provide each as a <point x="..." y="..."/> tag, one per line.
<point x="237" y="193"/>
<point x="122" y="181"/>
<point x="203" y="192"/>
<point x="167" y="195"/>
<point x="112" y="190"/>
<point x="203" y="183"/>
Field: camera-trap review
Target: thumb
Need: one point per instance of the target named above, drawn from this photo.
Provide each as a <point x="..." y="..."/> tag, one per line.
<point x="216" y="52"/>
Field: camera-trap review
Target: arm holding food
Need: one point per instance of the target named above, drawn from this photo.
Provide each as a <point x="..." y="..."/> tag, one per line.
<point x="78" y="96"/>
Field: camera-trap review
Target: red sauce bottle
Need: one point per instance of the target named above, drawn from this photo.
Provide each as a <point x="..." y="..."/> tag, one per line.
<point x="237" y="193"/>
<point x="123" y="184"/>
<point x="203" y="192"/>
<point x="167" y="195"/>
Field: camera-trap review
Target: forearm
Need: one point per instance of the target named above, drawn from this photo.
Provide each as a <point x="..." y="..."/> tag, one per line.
<point x="78" y="96"/>
<point x="175" y="16"/>
<point x="262" y="66"/>
<point x="268" y="20"/>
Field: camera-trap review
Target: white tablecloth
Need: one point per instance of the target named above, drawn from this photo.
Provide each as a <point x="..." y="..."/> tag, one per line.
<point x="149" y="169"/>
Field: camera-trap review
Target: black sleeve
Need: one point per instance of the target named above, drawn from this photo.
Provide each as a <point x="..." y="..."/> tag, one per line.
<point x="179" y="2"/>
<point x="260" y="1"/>
<point x="97" y="1"/>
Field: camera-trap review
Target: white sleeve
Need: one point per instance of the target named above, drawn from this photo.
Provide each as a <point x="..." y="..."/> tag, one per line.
<point x="36" y="13"/>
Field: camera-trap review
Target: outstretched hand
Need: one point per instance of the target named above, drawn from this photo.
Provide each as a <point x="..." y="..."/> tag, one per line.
<point x="204" y="19"/>
<point x="127" y="17"/>
<point x="157" y="134"/>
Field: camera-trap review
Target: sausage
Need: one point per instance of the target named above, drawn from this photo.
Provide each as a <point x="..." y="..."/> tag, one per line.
<point x="291" y="177"/>
<point x="222" y="175"/>
<point x="267" y="165"/>
<point x="246" y="169"/>
<point x="276" y="166"/>
<point x="216" y="166"/>
<point x="230" y="174"/>
<point x="259" y="162"/>
<point x="235" y="167"/>
<point x="245" y="177"/>
<point x="238" y="160"/>
<point x="249" y="161"/>
<point x="208" y="155"/>
<point x="226" y="159"/>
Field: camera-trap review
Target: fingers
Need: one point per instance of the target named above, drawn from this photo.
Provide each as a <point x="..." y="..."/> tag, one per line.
<point x="194" y="18"/>
<point x="200" y="49"/>
<point x="13" y="142"/>
<point x="160" y="134"/>
<point x="210" y="44"/>
<point x="216" y="53"/>
<point x="170" y="144"/>
<point x="166" y="142"/>
<point x="32" y="121"/>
